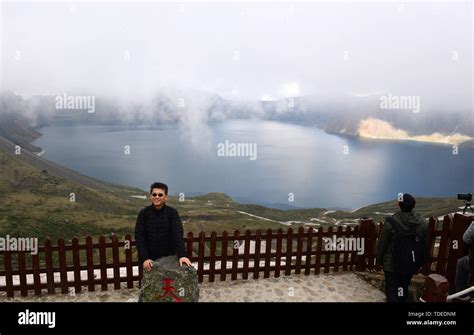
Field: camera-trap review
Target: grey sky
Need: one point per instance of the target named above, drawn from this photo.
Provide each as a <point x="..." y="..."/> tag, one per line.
<point x="241" y="51"/>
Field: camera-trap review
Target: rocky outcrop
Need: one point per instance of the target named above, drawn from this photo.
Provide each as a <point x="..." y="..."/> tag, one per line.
<point x="379" y="129"/>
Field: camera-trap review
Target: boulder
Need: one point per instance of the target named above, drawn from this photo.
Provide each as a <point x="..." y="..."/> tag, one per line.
<point x="167" y="281"/>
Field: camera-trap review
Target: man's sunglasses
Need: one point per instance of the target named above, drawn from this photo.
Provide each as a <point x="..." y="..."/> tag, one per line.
<point x="159" y="195"/>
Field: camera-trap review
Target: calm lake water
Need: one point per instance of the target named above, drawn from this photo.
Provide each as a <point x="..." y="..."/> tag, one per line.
<point x="319" y="169"/>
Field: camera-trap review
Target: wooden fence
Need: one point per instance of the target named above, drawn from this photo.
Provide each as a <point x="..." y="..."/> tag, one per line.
<point x="72" y="266"/>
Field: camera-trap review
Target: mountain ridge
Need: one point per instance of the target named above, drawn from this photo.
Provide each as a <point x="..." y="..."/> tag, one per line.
<point x="343" y="114"/>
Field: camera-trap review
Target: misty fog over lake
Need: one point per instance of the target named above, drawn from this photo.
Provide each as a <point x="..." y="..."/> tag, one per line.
<point x="320" y="169"/>
<point x="327" y="66"/>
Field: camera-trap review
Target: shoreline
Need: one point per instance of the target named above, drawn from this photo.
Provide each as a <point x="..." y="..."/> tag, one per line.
<point x="415" y="138"/>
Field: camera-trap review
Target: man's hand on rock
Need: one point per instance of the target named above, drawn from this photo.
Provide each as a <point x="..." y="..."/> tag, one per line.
<point x="185" y="260"/>
<point x="147" y="265"/>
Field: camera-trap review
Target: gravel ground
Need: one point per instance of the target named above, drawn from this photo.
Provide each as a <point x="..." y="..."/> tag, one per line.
<point x="333" y="287"/>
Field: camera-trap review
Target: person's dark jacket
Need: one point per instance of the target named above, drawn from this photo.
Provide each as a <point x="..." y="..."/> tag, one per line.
<point x="159" y="233"/>
<point x="468" y="239"/>
<point x="407" y="220"/>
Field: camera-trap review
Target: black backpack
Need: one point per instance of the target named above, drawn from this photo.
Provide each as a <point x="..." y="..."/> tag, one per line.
<point x="409" y="249"/>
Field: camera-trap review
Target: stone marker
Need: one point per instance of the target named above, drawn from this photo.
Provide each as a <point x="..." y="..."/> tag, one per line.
<point x="169" y="282"/>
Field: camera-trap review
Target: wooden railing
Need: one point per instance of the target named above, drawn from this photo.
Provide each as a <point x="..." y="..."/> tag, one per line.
<point x="72" y="266"/>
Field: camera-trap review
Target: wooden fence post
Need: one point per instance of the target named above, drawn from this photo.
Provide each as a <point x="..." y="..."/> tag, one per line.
<point x="366" y="232"/>
<point x="76" y="261"/>
<point x="116" y="261"/>
<point x="128" y="260"/>
<point x="245" y="270"/>
<point x="289" y="251"/>
<point x="278" y="252"/>
<point x="212" y="257"/>
<point x="309" y="249"/>
<point x="36" y="273"/>
<point x="62" y="266"/>
<point x="224" y="247"/>
<point x="103" y="264"/>
<point x="90" y="264"/>
<point x="337" y="255"/>
<point x="256" y="260"/>
<point x="48" y="255"/>
<point x="299" y="250"/>
<point x="443" y="245"/>
<point x="268" y="249"/>
<point x="436" y="288"/>
<point x="324" y="245"/>
<point x="235" y="255"/>
<point x="345" y="262"/>
<point x="22" y="273"/>
<point x="201" y="250"/>
<point x="319" y="250"/>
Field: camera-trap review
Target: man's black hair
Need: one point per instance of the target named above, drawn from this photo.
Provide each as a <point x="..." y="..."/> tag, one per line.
<point x="408" y="203"/>
<point x="159" y="185"/>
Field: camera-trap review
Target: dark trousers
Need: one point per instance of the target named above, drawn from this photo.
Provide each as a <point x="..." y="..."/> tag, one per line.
<point x="396" y="286"/>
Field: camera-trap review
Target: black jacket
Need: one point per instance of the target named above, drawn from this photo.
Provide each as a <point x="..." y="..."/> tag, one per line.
<point x="159" y="233"/>
<point x="407" y="220"/>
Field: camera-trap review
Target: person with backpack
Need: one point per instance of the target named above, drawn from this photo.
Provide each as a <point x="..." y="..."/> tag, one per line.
<point x="158" y="231"/>
<point x="465" y="264"/>
<point x="402" y="248"/>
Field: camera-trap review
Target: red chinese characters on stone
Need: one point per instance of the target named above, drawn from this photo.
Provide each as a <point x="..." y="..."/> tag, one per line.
<point x="169" y="290"/>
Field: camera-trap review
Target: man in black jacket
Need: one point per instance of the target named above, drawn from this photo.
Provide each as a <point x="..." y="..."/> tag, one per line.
<point x="158" y="231"/>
